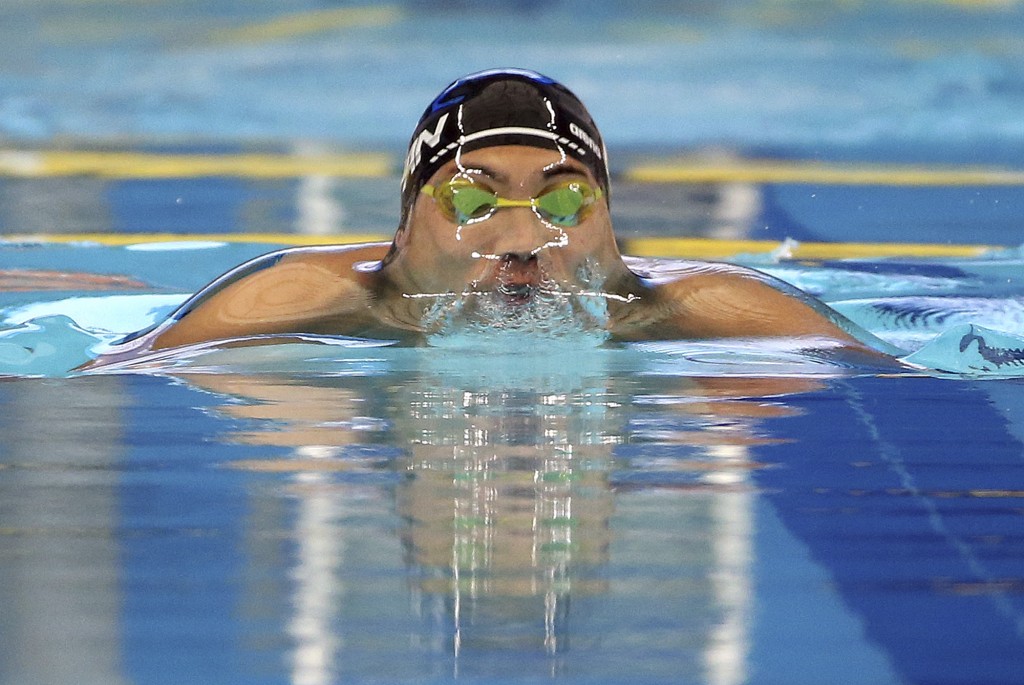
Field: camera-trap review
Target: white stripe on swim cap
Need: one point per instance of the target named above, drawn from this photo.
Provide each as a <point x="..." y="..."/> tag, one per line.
<point x="513" y="131"/>
<point x="503" y="131"/>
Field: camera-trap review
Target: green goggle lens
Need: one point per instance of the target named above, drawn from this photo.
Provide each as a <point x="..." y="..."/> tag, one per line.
<point x="467" y="202"/>
<point x="564" y="201"/>
<point x="464" y="202"/>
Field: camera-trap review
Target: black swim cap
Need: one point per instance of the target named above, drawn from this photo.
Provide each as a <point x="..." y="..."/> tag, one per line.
<point x="501" y="107"/>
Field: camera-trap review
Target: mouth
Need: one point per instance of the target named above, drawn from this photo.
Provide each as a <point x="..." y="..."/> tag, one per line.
<point x="517" y="280"/>
<point x="516" y="293"/>
<point x="518" y="296"/>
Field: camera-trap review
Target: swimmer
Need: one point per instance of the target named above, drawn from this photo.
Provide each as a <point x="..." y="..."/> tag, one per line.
<point x="504" y="222"/>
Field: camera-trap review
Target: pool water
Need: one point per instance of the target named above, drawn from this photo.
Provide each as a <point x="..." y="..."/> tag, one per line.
<point x="338" y="511"/>
<point x="418" y="525"/>
<point x="682" y="512"/>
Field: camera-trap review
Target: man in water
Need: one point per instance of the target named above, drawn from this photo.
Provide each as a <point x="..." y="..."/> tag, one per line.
<point x="505" y="225"/>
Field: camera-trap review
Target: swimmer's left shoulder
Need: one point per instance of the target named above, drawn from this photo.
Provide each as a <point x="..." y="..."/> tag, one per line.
<point x="659" y="270"/>
<point x="696" y="299"/>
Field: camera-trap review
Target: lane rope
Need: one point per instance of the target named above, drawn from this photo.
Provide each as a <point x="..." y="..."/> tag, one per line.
<point x="696" y="248"/>
<point x="109" y="164"/>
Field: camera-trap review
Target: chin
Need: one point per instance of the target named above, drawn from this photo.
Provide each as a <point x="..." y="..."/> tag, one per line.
<point x="543" y="308"/>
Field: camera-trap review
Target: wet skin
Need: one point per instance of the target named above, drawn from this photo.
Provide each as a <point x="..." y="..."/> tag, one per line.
<point x="365" y="291"/>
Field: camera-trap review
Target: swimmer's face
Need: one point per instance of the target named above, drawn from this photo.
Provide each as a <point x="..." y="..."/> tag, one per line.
<point x="514" y="248"/>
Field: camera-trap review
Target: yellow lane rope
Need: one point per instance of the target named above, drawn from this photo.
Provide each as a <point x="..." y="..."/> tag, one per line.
<point x="696" y="248"/>
<point x="708" y="248"/>
<point x="753" y="171"/>
<point x="307" y="23"/>
<point x="137" y="165"/>
<point x="118" y="239"/>
<point x="133" y="165"/>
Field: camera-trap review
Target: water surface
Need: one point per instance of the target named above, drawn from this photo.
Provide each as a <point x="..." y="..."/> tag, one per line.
<point x="390" y="516"/>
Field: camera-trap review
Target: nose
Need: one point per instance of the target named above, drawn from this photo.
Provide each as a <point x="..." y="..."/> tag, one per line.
<point x="520" y="233"/>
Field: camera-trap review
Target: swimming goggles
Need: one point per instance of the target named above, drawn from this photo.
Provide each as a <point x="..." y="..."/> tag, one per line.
<point x="465" y="202"/>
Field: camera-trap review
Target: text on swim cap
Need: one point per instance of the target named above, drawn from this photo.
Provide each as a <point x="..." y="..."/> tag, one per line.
<point x="426" y="137"/>
<point x="582" y="135"/>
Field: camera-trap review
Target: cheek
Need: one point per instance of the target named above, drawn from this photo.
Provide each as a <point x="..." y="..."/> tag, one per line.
<point x="442" y="245"/>
<point x="594" y="237"/>
<point x="430" y="233"/>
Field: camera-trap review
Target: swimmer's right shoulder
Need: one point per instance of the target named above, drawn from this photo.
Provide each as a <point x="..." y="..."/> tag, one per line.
<point x="294" y="290"/>
<point x="345" y="260"/>
<point x="364" y="257"/>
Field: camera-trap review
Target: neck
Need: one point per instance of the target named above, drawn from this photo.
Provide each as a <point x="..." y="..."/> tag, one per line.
<point x="398" y="305"/>
<point x="628" y="299"/>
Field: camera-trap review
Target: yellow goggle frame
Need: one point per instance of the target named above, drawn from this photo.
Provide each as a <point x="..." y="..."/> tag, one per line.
<point x="464" y="202"/>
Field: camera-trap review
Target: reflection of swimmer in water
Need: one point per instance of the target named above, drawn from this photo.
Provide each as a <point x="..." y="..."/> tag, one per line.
<point x="505" y="223"/>
<point x="507" y="486"/>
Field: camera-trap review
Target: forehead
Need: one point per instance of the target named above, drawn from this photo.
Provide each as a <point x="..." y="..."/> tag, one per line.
<point x="514" y="163"/>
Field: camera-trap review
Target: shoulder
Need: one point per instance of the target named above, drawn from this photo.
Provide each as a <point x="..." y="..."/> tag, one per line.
<point x="680" y="281"/>
<point x="295" y="290"/>
<point x="289" y="270"/>
<point x="336" y="266"/>
<point x="710" y="299"/>
<point x="362" y="257"/>
<point x="345" y="262"/>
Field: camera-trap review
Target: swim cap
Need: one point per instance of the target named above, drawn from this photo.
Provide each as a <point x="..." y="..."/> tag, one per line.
<point x="501" y="107"/>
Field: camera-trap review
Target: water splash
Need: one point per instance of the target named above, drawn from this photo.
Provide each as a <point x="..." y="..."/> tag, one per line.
<point x="488" y="320"/>
<point x="49" y="346"/>
<point x="972" y="350"/>
<point x="915" y="321"/>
